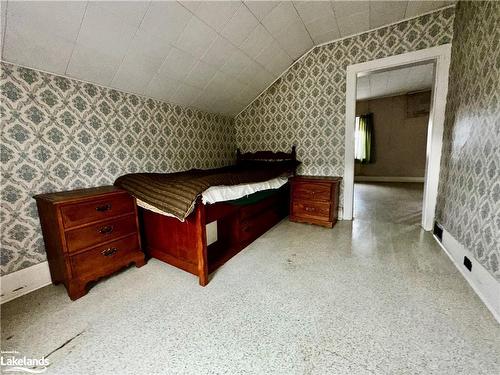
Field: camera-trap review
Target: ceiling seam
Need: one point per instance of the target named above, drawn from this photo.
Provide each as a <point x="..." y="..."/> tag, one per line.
<point x="337" y="40"/>
<point x="369" y="14"/>
<point x="260" y="23"/>
<point x="336" y="19"/>
<point x="272" y="36"/>
<point x="76" y="40"/>
<point x="128" y="48"/>
<point x="4" y="27"/>
<point x="199" y="58"/>
<point x="303" y="23"/>
<point x="173" y="46"/>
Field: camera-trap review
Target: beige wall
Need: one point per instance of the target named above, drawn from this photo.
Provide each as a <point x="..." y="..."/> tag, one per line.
<point x="399" y="142"/>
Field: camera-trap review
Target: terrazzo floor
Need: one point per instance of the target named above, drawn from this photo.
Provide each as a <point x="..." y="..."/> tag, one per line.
<point x="372" y="296"/>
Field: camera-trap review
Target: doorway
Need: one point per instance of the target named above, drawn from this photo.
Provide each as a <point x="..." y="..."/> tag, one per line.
<point x="438" y="58"/>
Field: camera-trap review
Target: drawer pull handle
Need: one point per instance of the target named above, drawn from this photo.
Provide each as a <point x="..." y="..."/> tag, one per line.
<point x="109" y="252"/>
<point x="106" y="229"/>
<point x="103" y="208"/>
<point x="310" y="209"/>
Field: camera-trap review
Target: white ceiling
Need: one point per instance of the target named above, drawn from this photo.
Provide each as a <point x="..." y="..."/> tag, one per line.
<point x="213" y="55"/>
<point x="396" y="81"/>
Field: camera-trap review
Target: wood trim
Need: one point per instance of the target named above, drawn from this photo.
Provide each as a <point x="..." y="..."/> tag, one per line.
<point x="201" y="242"/>
<point x="440" y="55"/>
<point x="266" y="155"/>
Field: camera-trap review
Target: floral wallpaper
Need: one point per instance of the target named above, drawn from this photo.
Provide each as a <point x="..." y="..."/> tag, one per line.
<point x="60" y="134"/>
<point x="306" y="106"/>
<point x="469" y="191"/>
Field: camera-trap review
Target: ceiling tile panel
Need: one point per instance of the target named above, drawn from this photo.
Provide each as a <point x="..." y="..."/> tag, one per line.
<point x="319" y="19"/>
<point x="93" y="65"/>
<point x="260" y="9"/>
<point x="395" y="82"/>
<point x="200" y="75"/>
<point x="196" y="37"/>
<point x="219" y="52"/>
<point x="310" y="11"/>
<point x="415" y="8"/>
<point x="177" y="65"/>
<point x="185" y="94"/>
<point x="280" y="18"/>
<point x="352" y="16"/>
<point x="131" y="81"/>
<point x="191" y="5"/>
<point x="236" y="63"/>
<point x="295" y="39"/>
<point x="274" y="59"/>
<point x="106" y="31"/>
<point x="130" y="12"/>
<point x="386" y="12"/>
<point x="256" y="76"/>
<point x="257" y="41"/>
<point x="240" y="25"/>
<point x="41" y="35"/>
<point x="320" y="36"/>
<point x="151" y="46"/>
<point x="135" y="72"/>
<point x="60" y="18"/>
<point x="165" y="20"/>
<point x="163" y="88"/>
<point x="37" y="50"/>
<point x="215" y="13"/>
<point x="3" y="18"/>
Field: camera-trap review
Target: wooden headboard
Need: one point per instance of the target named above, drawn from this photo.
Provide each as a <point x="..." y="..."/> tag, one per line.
<point x="265" y="155"/>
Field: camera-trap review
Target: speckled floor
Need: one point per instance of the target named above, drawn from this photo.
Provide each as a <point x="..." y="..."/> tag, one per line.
<point x="372" y="296"/>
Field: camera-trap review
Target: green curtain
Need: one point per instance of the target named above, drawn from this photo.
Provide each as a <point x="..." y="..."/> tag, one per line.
<point x="364" y="130"/>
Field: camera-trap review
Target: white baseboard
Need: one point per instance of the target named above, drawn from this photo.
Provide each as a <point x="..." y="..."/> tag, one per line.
<point x="387" y="179"/>
<point x="481" y="281"/>
<point x="21" y="282"/>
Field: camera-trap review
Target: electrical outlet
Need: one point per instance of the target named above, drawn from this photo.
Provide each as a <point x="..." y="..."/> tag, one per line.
<point x="468" y="263"/>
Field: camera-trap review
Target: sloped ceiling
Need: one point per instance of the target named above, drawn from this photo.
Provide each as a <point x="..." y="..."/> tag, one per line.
<point x="395" y="81"/>
<point x="213" y="55"/>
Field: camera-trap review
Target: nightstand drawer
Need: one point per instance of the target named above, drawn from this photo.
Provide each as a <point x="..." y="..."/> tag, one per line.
<point x="105" y="259"/>
<point x="86" y="212"/>
<point x="315" y="210"/>
<point x="81" y="238"/>
<point x="309" y="191"/>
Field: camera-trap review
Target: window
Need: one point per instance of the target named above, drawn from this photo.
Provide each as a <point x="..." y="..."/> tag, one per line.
<point x="363" y="138"/>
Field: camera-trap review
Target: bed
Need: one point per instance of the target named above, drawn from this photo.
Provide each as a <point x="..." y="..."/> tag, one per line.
<point x="199" y="219"/>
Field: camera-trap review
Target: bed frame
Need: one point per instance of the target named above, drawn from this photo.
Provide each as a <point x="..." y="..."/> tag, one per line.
<point x="184" y="244"/>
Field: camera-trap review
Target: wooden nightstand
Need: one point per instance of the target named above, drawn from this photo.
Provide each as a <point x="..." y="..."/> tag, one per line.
<point x="314" y="200"/>
<point x="88" y="234"/>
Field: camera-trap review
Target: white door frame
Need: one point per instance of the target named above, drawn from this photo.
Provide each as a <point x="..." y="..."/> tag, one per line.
<point x="440" y="55"/>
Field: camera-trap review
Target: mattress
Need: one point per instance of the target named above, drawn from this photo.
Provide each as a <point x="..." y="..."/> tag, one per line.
<point x="223" y="193"/>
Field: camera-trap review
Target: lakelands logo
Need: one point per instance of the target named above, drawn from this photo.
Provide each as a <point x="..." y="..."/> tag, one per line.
<point x="11" y="361"/>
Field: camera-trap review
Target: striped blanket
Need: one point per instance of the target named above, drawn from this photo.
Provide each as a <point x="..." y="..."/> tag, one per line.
<point x="176" y="193"/>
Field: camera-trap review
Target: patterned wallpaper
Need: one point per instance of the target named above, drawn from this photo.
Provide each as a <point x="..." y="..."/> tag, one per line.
<point x="306" y="106"/>
<point x="469" y="192"/>
<point x="60" y="134"/>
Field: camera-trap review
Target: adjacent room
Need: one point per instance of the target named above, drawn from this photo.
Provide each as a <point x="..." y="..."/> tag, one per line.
<point x="250" y="187"/>
<point x="392" y="122"/>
